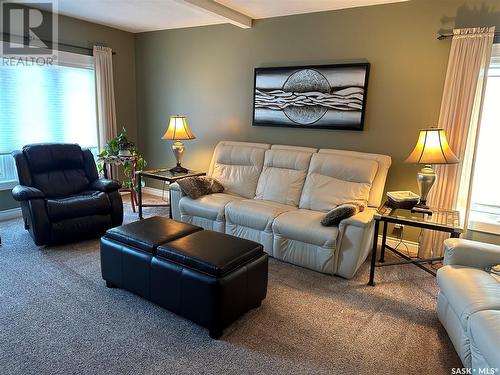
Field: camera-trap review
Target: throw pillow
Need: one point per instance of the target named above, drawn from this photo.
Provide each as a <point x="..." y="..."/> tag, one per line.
<point x="195" y="187"/>
<point x="341" y="212"/>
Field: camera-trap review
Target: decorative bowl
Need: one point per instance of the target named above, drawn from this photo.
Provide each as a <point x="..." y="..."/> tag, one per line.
<point x="402" y="199"/>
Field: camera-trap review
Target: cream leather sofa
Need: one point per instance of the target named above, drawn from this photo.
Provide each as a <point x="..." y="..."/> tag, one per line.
<point x="469" y="302"/>
<point x="276" y="195"/>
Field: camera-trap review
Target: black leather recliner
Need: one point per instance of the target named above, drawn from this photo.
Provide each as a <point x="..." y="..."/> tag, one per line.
<point x="62" y="198"/>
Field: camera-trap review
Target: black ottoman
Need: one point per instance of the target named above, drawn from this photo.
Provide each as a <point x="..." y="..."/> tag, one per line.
<point x="208" y="277"/>
<point x="127" y="251"/>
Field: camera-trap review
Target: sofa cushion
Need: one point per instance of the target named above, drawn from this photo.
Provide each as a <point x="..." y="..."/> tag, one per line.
<point x="384" y="163"/>
<point x="484" y="331"/>
<point x="283" y="174"/>
<point x="84" y="204"/>
<point x="237" y="166"/>
<point x="198" y="186"/>
<point x="255" y="213"/>
<point x="305" y="226"/>
<point x="208" y="207"/>
<point x="468" y="290"/>
<point x="341" y="212"/>
<point x="333" y="180"/>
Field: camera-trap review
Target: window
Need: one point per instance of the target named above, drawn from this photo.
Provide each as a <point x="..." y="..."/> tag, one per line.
<point x="48" y="103"/>
<point x="485" y="199"/>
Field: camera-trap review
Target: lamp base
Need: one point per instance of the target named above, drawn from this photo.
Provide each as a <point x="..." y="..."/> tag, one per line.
<point x="178" y="149"/>
<point x="178" y="169"/>
<point x="422" y="208"/>
<point x="425" y="178"/>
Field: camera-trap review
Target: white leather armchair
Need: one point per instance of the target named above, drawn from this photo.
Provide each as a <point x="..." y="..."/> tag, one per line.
<point x="469" y="301"/>
<point x="461" y="252"/>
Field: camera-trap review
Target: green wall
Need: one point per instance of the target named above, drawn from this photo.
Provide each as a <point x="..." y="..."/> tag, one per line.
<point x="87" y="34"/>
<point x="206" y="73"/>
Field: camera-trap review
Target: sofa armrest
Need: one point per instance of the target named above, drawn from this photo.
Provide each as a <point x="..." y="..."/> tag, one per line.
<point x="176" y="194"/>
<point x="23" y="193"/>
<point x="469" y="253"/>
<point x="176" y="187"/>
<point x="104" y="185"/>
<point x="354" y="242"/>
<point x="361" y="219"/>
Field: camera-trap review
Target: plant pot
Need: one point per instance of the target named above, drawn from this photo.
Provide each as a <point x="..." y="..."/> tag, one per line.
<point x="125" y="149"/>
<point x="124" y="153"/>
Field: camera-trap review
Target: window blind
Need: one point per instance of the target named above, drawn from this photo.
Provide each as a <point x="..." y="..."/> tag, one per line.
<point x="48" y="103"/>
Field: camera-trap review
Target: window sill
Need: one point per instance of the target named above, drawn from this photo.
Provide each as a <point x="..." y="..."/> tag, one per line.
<point x="7" y="185"/>
<point x="484" y="222"/>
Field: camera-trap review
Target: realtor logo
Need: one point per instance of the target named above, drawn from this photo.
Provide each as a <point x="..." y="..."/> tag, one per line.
<point x="26" y="29"/>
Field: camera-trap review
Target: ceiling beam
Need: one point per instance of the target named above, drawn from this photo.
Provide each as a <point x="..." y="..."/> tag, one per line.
<point x="232" y="16"/>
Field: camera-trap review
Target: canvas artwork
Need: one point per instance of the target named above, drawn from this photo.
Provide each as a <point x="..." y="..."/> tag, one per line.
<point x="324" y="97"/>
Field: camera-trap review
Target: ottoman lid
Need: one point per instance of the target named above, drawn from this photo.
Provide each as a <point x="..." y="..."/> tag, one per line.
<point x="149" y="233"/>
<point x="210" y="252"/>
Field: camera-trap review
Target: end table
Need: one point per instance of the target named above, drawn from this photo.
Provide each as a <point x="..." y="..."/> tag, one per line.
<point x="163" y="175"/>
<point x="110" y="161"/>
<point x="440" y="220"/>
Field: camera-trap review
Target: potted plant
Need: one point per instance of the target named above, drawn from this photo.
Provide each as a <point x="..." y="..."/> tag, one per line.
<point x="122" y="146"/>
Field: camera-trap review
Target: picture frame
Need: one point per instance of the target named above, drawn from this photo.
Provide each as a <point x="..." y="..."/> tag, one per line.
<point x="331" y="96"/>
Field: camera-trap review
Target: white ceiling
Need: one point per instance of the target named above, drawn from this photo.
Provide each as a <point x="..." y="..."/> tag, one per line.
<point x="148" y="15"/>
<point x="277" y="8"/>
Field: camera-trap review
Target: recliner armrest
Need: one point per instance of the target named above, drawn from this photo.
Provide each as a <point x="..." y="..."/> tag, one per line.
<point x="361" y="219"/>
<point x="354" y="242"/>
<point x="104" y="185"/>
<point x="458" y="251"/>
<point x="23" y="193"/>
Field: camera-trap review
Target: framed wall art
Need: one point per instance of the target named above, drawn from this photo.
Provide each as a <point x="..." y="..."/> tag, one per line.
<point x="314" y="97"/>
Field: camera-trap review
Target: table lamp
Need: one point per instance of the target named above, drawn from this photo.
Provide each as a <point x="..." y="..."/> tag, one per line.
<point x="432" y="148"/>
<point x="178" y="131"/>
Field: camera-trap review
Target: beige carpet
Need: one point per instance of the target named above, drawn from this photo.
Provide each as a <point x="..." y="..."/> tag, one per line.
<point x="57" y="317"/>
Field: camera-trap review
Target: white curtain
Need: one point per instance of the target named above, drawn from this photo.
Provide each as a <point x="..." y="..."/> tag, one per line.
<point x="106" y="110"/>
<point x="460" y="115"/>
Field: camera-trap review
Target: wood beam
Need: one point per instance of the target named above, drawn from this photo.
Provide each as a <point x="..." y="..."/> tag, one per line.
<point x="232" y="16"/>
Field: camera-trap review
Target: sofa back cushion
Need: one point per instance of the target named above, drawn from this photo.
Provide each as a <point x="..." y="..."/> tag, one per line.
<point x="336" y="179"/>
<point x="384" y="163"/>
<point x="284" y="173"/>
<point x="56" y="169"/>
<point x="237" y="166"/>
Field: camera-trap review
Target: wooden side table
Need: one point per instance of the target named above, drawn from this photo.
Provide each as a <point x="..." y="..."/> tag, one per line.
<point x="111" y="161"/>
<point x="440" y="220"/>
<point x="164" y="175"/>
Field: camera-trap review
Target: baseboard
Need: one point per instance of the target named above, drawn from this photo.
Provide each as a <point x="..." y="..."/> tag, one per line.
<point x="13" y="213"/>
<point x="412" y="246"/>
<point x="154" y="191"/>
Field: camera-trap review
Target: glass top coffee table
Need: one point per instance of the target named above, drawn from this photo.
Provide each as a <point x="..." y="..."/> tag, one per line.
<point x="440" y="220"/>
<point x="164" y="175"/>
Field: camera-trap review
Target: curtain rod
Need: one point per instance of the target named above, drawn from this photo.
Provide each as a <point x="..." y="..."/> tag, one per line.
<point x="449" y="36"/>
<point x="88" y="51"/>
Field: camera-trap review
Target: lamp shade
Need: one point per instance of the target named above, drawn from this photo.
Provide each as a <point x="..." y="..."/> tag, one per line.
<point x="432" y="148"/>
<point x="177" y="129"/>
